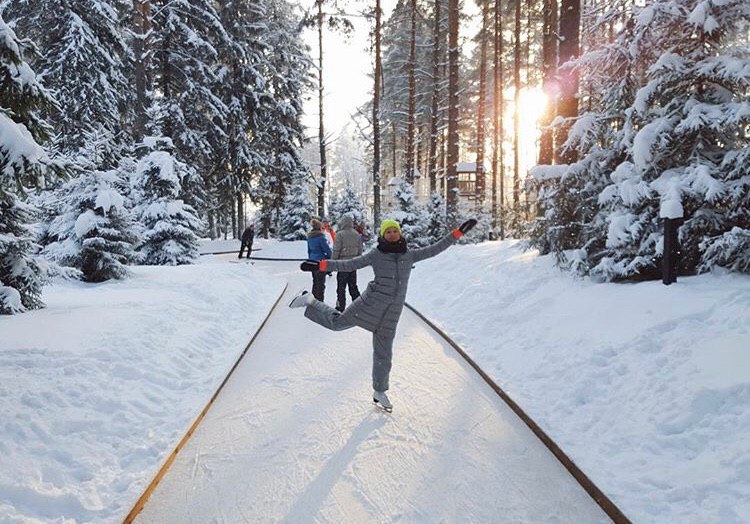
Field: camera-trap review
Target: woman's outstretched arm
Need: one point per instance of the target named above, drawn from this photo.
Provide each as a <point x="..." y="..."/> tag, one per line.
<point x="443" y="244"/>
<point x="349" y="264"/>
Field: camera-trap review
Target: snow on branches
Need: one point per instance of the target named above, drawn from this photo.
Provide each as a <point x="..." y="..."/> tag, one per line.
<point x="168" y="224"/>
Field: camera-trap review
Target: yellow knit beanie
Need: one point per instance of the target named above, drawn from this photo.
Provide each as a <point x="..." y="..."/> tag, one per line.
<point x="385" y="224"/>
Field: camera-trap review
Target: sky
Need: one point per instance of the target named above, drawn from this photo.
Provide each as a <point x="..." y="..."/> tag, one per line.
<point x="347" y="64"/>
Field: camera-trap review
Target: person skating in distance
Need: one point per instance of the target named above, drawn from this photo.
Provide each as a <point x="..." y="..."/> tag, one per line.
<point x="379" y="307"/>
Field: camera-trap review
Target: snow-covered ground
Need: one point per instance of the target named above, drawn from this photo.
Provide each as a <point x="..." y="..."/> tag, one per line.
<point x="645" y="386"/>
<point x="98" y="387"/>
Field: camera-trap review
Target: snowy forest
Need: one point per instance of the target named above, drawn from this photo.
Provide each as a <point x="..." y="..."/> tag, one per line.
<point x="129" y="130"/>
<point x="375" y="261"/>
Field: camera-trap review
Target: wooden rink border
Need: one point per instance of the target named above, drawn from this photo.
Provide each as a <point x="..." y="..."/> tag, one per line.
<point x="256" y="258"/>
<point x="143" y="499"/>
<point x="604" y="502"/>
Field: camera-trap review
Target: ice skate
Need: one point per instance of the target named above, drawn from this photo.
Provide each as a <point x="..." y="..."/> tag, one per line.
<point x="381" y="400"/>
<point x="304" y="299"/>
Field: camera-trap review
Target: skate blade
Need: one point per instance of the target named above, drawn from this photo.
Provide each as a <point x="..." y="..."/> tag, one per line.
<point x="382" y="407"/>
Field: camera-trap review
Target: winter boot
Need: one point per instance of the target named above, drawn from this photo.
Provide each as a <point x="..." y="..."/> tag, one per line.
<point x="381" y="400"/>
<point x="304" y="299"/>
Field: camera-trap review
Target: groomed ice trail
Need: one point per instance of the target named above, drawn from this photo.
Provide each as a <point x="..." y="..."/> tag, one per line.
<point x="294" y="437"/>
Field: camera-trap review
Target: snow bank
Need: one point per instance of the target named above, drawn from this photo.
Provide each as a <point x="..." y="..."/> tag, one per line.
<point x="98" y="387"/>
<point x="645" y="386"/>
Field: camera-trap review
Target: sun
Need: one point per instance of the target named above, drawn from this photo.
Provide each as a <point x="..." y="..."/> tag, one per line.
<point x="532" y="103"/>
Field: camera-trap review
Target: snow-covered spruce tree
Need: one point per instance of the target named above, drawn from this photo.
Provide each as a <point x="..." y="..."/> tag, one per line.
<point x="348" y="204"/>
<point x="569" y="221"/>
<point x="481" y="231"/>
<point x="731" y="248"/>
<point x="297" y="211"/>
<point x="690" y="115"/>
<point x="168" y="224"/>
<point x="82" y="57"/>
<point x="93" y="230"/>
<point x="23" y="162"/>
<point x="412" y="216"/>
<point x="437" y="220"/>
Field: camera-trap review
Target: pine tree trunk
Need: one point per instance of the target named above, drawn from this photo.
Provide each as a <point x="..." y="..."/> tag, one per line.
<point x="211" y="225"/>
<point x="567" y="107"/>
<point x="549" y="73"/>
<point x="234" y="218"/>
<point x="240" y="213"/>
<point x="443" y="162"/>
<point x="529" y="38"/>
<point x="436" y="80"/>
<point x="321" y="129"/>
<point x="480" y="187"/>
<point x="418" y="146"/>
<point x="393" y="148"/>
<point x="452" y="175"/>
<point x="166" y="76"/>
<point x="516" y="115"/>
<point x="409" y="161"/>
<point x="376" y="120"/>
<point x="142" y="28"/>
<point x="498" y="162"/>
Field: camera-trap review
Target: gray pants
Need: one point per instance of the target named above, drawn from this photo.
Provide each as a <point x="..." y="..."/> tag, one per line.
<point x="382" y="345"/>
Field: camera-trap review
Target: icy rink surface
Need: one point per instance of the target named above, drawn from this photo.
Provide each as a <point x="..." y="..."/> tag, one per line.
<point x="294" y="437"/>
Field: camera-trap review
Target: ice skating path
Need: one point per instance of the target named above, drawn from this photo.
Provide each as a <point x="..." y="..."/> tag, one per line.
<point x="294" y="437"/>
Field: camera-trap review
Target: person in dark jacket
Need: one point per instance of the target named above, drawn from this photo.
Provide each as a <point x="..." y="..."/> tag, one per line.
<point x="318" y="249"/>
<point x="348" y="244"/>
<point x="247" y="240"/>
<point x="379" y="307"/>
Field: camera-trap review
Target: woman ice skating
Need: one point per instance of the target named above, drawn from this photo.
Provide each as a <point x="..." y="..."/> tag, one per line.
<point x="379" y="307"/>
<point x="317" y="249"/>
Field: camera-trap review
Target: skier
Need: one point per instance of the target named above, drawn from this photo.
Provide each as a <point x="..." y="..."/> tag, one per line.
<point x="348" y="244"/>
<point x="378" y="309"/>
<point x="247" y="240"/>
<point x="317" y="249"/>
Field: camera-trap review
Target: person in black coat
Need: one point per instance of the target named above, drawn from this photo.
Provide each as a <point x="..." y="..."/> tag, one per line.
<point x="247" y="240"/>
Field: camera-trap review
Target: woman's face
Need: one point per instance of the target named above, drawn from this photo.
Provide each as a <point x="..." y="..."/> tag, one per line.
<point x="392" y="234"/>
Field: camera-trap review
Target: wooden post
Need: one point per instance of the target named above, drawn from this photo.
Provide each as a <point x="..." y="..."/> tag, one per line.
<point x="669" y="258"/>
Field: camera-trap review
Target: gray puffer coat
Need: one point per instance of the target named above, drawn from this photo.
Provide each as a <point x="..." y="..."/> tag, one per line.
<point x="379" y="307"/>
<point x="348" y="243"/>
